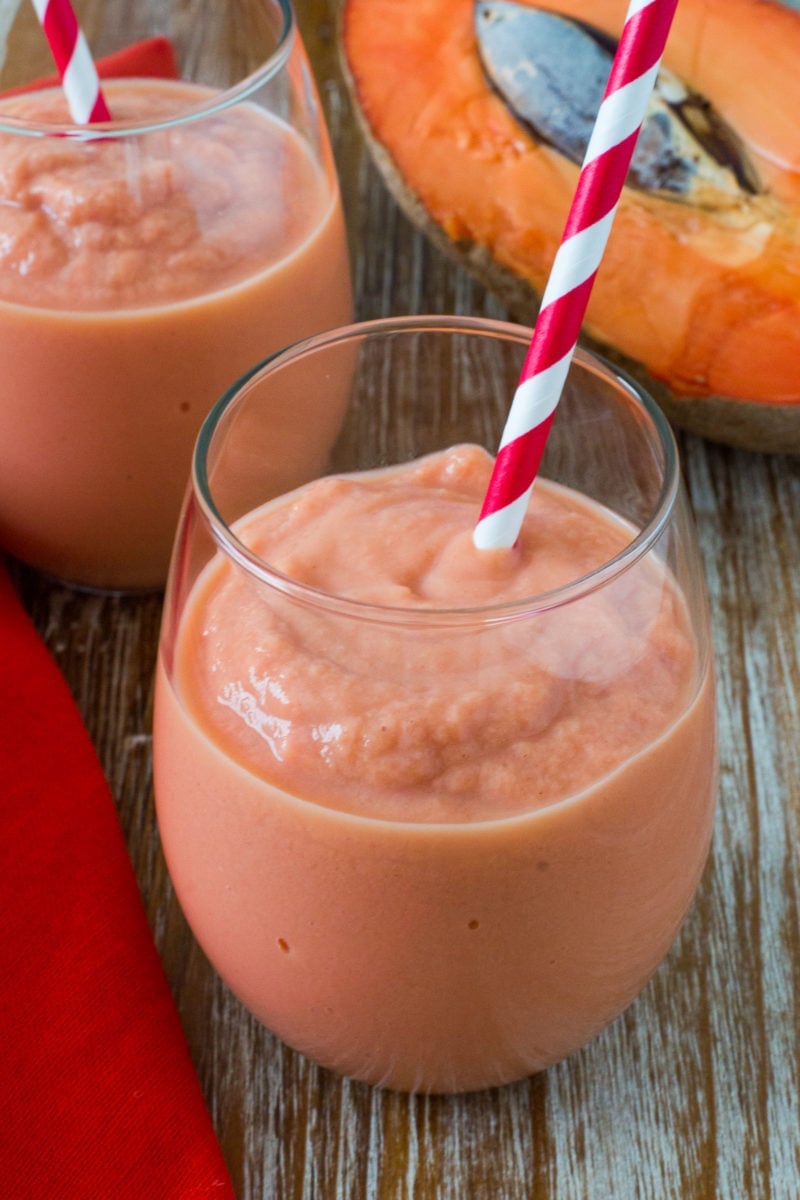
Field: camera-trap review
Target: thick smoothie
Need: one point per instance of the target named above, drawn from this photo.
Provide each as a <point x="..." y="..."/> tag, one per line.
<point x="432" y="851"/>
<point x="139" y="277"/>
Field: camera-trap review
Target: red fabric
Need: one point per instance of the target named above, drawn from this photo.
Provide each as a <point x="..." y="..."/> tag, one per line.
<point x="154" y="56"/>
<point x="99" y="1098"/>
<point x="98" y="1095"/>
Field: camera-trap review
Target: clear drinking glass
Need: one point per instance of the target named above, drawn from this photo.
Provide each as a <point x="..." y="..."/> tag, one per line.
<point x="434" y="837"/>
<point x="145" y="264"/>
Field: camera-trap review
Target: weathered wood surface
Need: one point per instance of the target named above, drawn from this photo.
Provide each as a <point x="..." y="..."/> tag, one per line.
<point x="693" y="1093"/>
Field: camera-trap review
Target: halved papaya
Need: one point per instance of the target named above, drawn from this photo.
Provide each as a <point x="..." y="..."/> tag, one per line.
<point x="700" y="299"/>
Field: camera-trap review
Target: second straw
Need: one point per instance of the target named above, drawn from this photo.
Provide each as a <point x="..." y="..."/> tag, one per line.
<point x="591" y="214"/>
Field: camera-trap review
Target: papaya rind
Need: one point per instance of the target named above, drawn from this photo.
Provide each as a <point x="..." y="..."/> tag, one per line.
<point x="770" y="428"/>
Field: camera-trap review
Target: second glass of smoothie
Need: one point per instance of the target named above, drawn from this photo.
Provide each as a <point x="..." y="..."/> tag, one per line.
<point x="143" y="268"/>
<point x="435" y="813"/>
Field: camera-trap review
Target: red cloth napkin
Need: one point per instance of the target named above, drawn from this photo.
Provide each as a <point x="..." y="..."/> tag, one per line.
<point x="153" y="56"/>
<point x="98" y="1095"/>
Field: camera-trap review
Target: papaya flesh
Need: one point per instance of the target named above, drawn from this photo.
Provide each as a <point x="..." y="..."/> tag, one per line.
<point x="700" y="301"/>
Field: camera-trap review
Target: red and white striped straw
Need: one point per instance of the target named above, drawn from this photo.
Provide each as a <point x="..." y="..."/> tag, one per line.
<point x="73" y="60"/>
<point x="602" y="175"/>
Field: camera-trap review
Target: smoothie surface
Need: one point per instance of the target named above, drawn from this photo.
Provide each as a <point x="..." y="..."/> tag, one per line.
<point x="433" y="723"/>
<point x="149" y="219"/>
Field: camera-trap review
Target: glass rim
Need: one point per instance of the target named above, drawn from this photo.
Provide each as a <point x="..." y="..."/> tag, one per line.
<point x="217" y="102"/>
<point x="497" y="612"/>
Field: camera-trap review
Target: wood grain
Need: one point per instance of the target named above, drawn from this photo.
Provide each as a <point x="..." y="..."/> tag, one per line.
<point x="691" y="1094"/>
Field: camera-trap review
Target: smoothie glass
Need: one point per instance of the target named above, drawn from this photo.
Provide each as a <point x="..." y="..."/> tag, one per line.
<point x="435" y="845"/>
<point x="144" y="265"/>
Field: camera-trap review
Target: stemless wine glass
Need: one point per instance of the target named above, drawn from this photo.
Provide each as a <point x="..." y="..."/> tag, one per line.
<point x="435" y="827"/>
<point x="146" y="263"/>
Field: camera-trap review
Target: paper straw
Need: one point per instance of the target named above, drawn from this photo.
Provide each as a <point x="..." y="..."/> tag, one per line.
<point x="73" y="61"/>
<point x="602" y="175"/>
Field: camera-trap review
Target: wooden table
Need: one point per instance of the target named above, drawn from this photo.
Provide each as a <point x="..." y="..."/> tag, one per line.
<point x="693" y="1093"/>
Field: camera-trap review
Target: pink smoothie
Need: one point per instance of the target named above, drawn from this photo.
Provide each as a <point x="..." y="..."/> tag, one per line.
<point x="139" y="277"/>
<point x="425" y="854"/>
